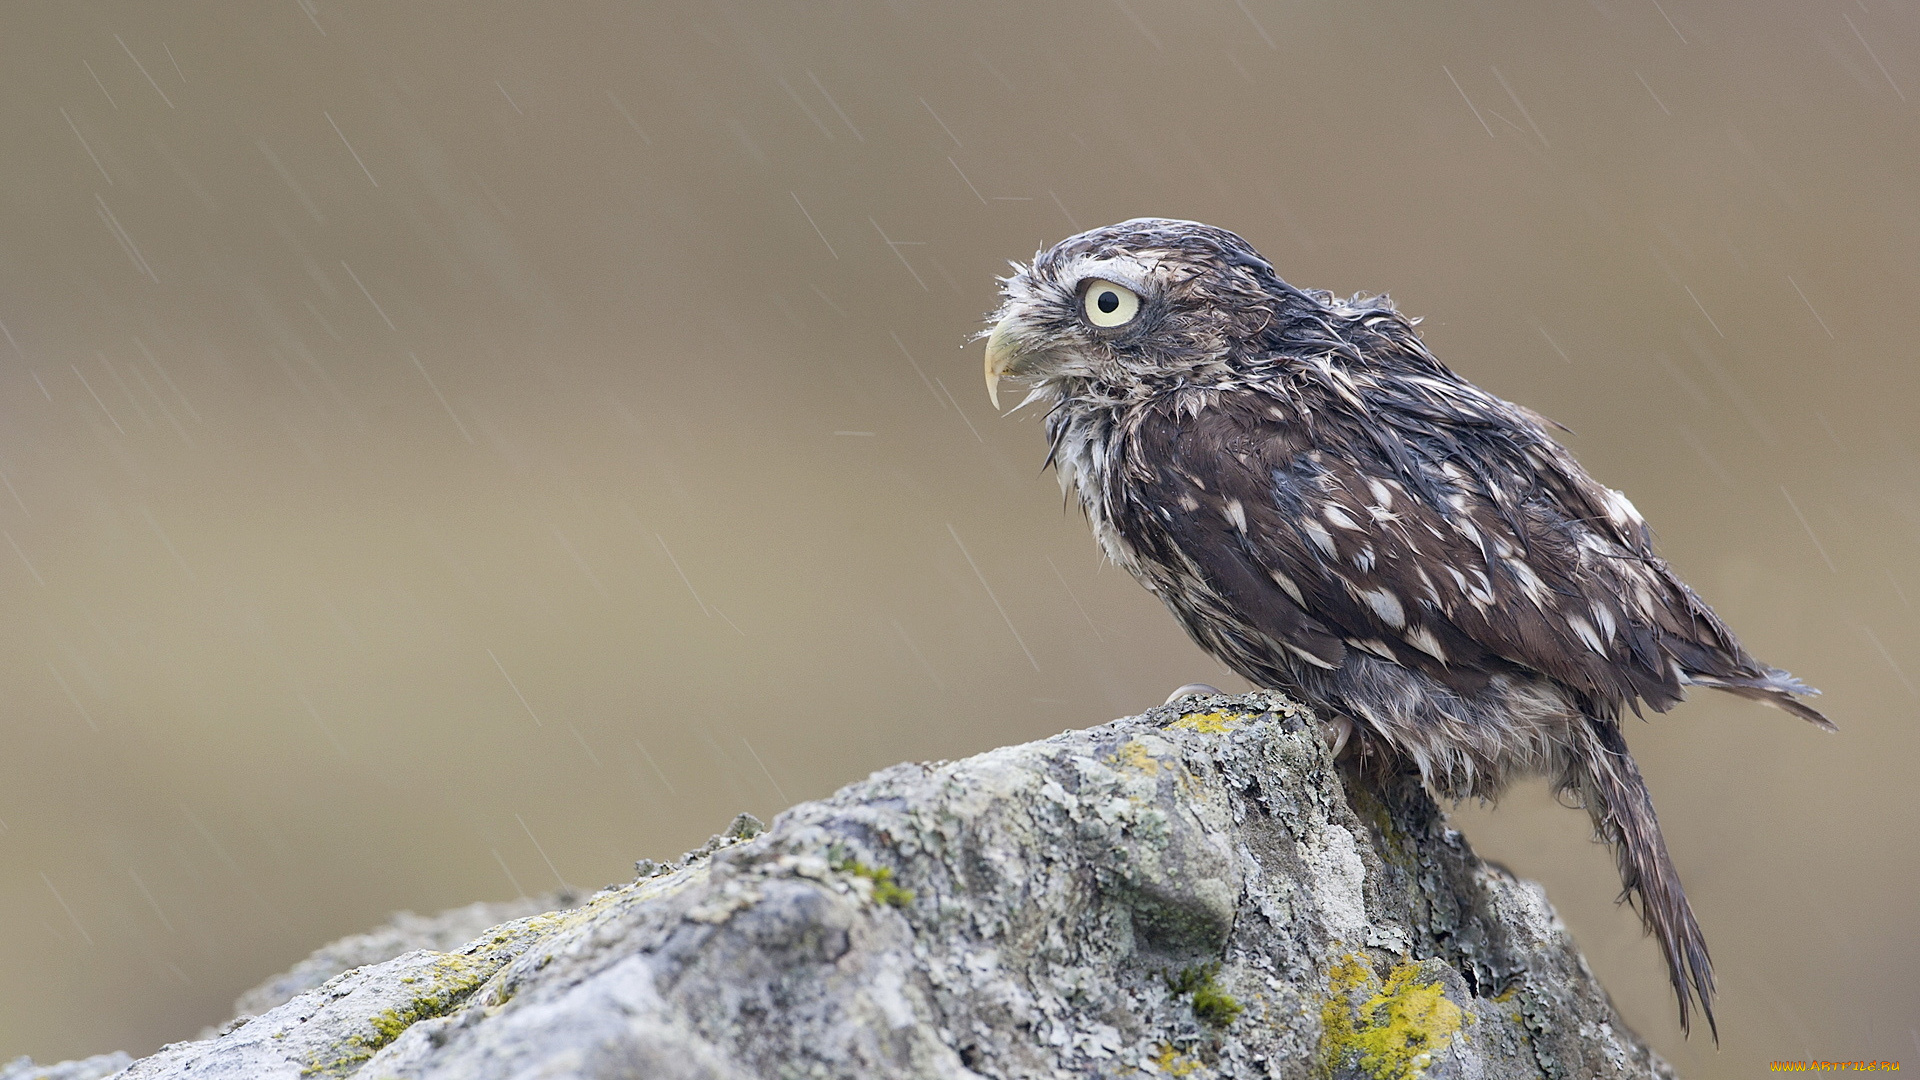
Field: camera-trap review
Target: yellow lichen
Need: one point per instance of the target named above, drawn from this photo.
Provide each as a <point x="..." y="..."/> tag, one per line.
<point x="391" y="1024"/>
<point x="1134" y="755"/>
<point x="1172" y="1062"/>
<point x="1395" y="1032"/>
<point x="1210" y="723"/>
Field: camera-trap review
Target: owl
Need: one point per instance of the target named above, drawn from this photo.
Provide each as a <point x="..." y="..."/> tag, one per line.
<point x="1334" y="513"/>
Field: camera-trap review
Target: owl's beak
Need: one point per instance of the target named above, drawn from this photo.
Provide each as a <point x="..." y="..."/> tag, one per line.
<point x="1002" y="351"/>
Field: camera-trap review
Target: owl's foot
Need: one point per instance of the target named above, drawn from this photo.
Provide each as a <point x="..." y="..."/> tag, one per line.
<point x="1192" y="689"/>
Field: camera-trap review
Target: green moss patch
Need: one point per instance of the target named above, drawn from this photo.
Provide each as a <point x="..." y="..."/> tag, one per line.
<point x="1211" y="1003"/>
<point x="450" y="980"/>
<point x="885" y="889"/>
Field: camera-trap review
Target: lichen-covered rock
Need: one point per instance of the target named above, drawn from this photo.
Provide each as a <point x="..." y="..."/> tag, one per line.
<point x="403" y="932"/>
<point x="1191" y="894"/>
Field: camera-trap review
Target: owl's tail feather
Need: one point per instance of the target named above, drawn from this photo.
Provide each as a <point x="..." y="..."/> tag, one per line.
<point x="1609" y="785"/>
<point x="1775" y="688"/>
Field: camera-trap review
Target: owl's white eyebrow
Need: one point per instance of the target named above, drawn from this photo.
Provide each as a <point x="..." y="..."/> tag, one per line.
<point x="1135" y="274"/>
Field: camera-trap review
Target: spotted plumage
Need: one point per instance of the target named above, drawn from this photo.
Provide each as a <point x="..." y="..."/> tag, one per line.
<point x="1333" y="512"/>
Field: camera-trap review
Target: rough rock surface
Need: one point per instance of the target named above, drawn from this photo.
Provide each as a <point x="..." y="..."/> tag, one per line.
<point x="93" y="1068"/>
<point x="1197" y="892"/>
<point x="404" y="932"/>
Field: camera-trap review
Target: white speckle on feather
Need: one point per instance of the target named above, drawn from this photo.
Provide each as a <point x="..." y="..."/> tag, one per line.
<point x="1373" y="645"/>
<point x="1603" y="615"/>
<point x="1620" y="510"/>
<point x="1482" y="592"/>
<point x="1387" y="606"/>
<point x="1530" y="582"/>
<point x="1237" y="514"/>
<point x="1584" y="630"/>
<point x="1307" y="656"/>
<point x="1318" y="533"/>
<point x="1422" y="638"/>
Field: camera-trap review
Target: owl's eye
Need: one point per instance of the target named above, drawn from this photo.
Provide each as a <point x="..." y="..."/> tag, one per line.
<point x="1108" y="304"/>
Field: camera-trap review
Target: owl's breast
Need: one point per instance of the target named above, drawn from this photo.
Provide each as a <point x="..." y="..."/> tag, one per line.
<point x="1087" y="459"/>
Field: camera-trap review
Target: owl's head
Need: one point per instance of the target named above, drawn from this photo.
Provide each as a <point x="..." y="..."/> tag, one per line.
<point x="1130" y="309"/>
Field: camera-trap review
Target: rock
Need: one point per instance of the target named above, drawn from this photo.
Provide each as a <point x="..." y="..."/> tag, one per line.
<point x="93" y="1068"/>
<point x="403" y="932"/>
<point x="1197" y="892"/>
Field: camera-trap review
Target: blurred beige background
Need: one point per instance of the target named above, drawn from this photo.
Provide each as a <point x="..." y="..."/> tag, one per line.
<point x="454" y="448"/>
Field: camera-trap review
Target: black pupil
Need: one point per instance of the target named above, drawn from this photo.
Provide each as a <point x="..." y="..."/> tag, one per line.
<point x="1108" y="301"/>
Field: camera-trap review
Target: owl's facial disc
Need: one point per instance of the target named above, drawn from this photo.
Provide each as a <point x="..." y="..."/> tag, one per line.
<point x="1053" y="313"/>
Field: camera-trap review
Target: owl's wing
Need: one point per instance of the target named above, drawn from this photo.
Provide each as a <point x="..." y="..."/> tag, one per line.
<point x="1456" y="543"/>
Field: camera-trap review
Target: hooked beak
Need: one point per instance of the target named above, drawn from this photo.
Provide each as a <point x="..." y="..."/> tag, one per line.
<point x="1001" y="354"/>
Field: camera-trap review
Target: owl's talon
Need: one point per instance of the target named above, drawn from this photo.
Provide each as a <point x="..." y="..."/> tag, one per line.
<point x="1192" y="689"/>
<point x="1336" y="731"/>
